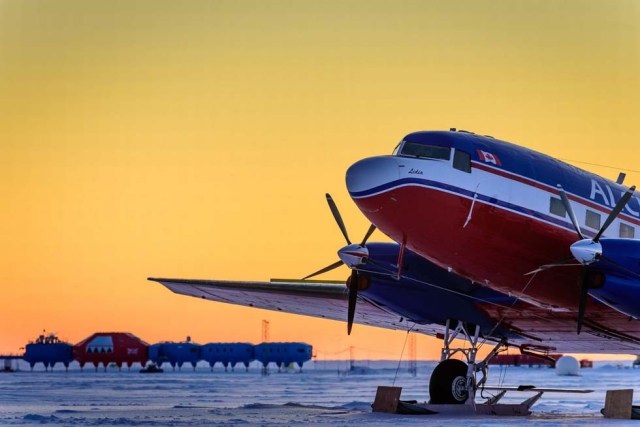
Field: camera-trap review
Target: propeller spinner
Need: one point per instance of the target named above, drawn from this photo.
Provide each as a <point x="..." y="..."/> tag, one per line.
<point x="353" y="255"/>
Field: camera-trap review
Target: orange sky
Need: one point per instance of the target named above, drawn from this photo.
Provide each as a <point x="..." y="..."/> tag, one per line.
<point x="197" y="139"/>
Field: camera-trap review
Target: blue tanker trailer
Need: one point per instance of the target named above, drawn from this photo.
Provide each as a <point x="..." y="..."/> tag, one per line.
<point x="228" y="354"/>
<point x="48" y="350"/>
<point x="283" y="354"/>
<point x="175" y="353"/>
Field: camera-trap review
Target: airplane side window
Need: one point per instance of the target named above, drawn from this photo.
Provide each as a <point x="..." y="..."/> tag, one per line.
<point x="423" y="151"/>
<point x="556" y="207"/>
<point x="627" y="231"/>
<point x="462" y="161"/>
<point x="592" y="220"/>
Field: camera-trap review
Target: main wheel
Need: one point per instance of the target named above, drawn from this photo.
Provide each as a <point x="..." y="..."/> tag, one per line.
<point x="448" y="383"/>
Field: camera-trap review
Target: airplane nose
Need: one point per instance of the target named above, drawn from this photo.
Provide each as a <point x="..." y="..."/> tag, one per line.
<point x="373" y="174"/>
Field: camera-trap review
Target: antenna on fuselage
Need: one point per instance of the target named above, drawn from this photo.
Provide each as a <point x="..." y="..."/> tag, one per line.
<point x="621" y="177"/>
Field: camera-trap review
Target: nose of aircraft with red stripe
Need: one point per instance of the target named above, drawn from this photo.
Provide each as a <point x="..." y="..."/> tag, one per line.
<point x="368" y="182"/>
<point x="409" y="200"/>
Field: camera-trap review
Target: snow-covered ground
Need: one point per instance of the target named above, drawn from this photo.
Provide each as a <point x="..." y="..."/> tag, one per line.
<point x="324" y="393"/>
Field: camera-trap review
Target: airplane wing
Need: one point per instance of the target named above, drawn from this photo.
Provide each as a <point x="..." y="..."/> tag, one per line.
<point x="398" y="306"/>
<point x="322" y="299"/>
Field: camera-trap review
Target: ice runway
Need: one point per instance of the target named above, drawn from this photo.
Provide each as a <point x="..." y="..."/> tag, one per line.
<point x="322" y="394"/>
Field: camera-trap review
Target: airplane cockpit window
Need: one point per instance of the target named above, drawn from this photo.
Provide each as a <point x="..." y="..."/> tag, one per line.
<point x="627" y="231"/>
<point x="395" y="150"/>
<point x="462" y="161"/>
<point x="422" y="151"/>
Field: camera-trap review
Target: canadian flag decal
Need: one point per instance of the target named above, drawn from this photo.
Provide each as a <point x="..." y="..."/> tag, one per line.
<point x="487" y="157"/>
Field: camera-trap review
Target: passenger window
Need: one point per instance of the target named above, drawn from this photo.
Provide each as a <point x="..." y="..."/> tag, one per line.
<point x="592" y="220"/>
<point x="627" y="231"/>
<point x="423" y="151"/>
<point x="462" y="161"/>
<point x="556" y="207"/>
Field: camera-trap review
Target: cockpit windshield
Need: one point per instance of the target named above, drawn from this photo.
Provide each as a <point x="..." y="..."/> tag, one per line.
<point x="422" y="151"/>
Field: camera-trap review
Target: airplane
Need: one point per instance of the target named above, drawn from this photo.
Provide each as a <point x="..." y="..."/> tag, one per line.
<point x="494" y="243"/>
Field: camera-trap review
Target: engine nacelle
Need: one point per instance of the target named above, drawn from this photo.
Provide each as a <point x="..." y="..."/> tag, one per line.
<point x="620" y="264"/>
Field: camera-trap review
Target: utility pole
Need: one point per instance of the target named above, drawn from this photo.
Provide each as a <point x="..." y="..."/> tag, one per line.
<point x="413" y="355"/>
<point x="265" y="331"/>
<point x="265" y="338"/>
<point x="351" y="359"/>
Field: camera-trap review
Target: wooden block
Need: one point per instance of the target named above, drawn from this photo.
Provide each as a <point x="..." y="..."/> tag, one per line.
<point x="618" y="403"/>
<point x="387" y="399"/>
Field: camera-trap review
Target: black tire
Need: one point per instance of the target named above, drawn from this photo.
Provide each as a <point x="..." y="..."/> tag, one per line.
<point x="448" y="383"/>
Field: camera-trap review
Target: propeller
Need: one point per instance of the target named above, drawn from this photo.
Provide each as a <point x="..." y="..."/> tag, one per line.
<point x="353" y="255"/>
<point x="587" y="251"/>
<point x="352" y="285"/>
<point x="337" y="217"/>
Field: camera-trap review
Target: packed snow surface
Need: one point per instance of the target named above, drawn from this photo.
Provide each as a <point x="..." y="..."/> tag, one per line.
<point x="325" y="392"/>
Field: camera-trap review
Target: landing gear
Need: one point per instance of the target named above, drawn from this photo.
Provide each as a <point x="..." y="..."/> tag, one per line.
<point x="454" y="381"/>
<point x="448" y="383"/>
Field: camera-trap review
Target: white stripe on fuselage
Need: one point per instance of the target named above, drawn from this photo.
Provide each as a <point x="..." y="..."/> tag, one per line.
<point x="503" y="189"/>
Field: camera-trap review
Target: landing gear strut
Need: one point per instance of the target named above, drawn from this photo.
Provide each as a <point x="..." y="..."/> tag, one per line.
<point x="454" y="381"/>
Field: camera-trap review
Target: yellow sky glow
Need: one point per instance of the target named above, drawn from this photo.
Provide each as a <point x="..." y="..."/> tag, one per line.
<point x="197" y="139"/>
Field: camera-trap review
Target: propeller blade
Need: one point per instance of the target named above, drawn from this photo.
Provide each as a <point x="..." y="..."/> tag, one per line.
<point x="616" y="211"/>
<point x="353" y="299"/>
<point x="324" y="270"/>
<point x="369" y="233"/>
<point x="569" y="209"/>
<point x="337" y="217"/>
<point x="584" y="293"/>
